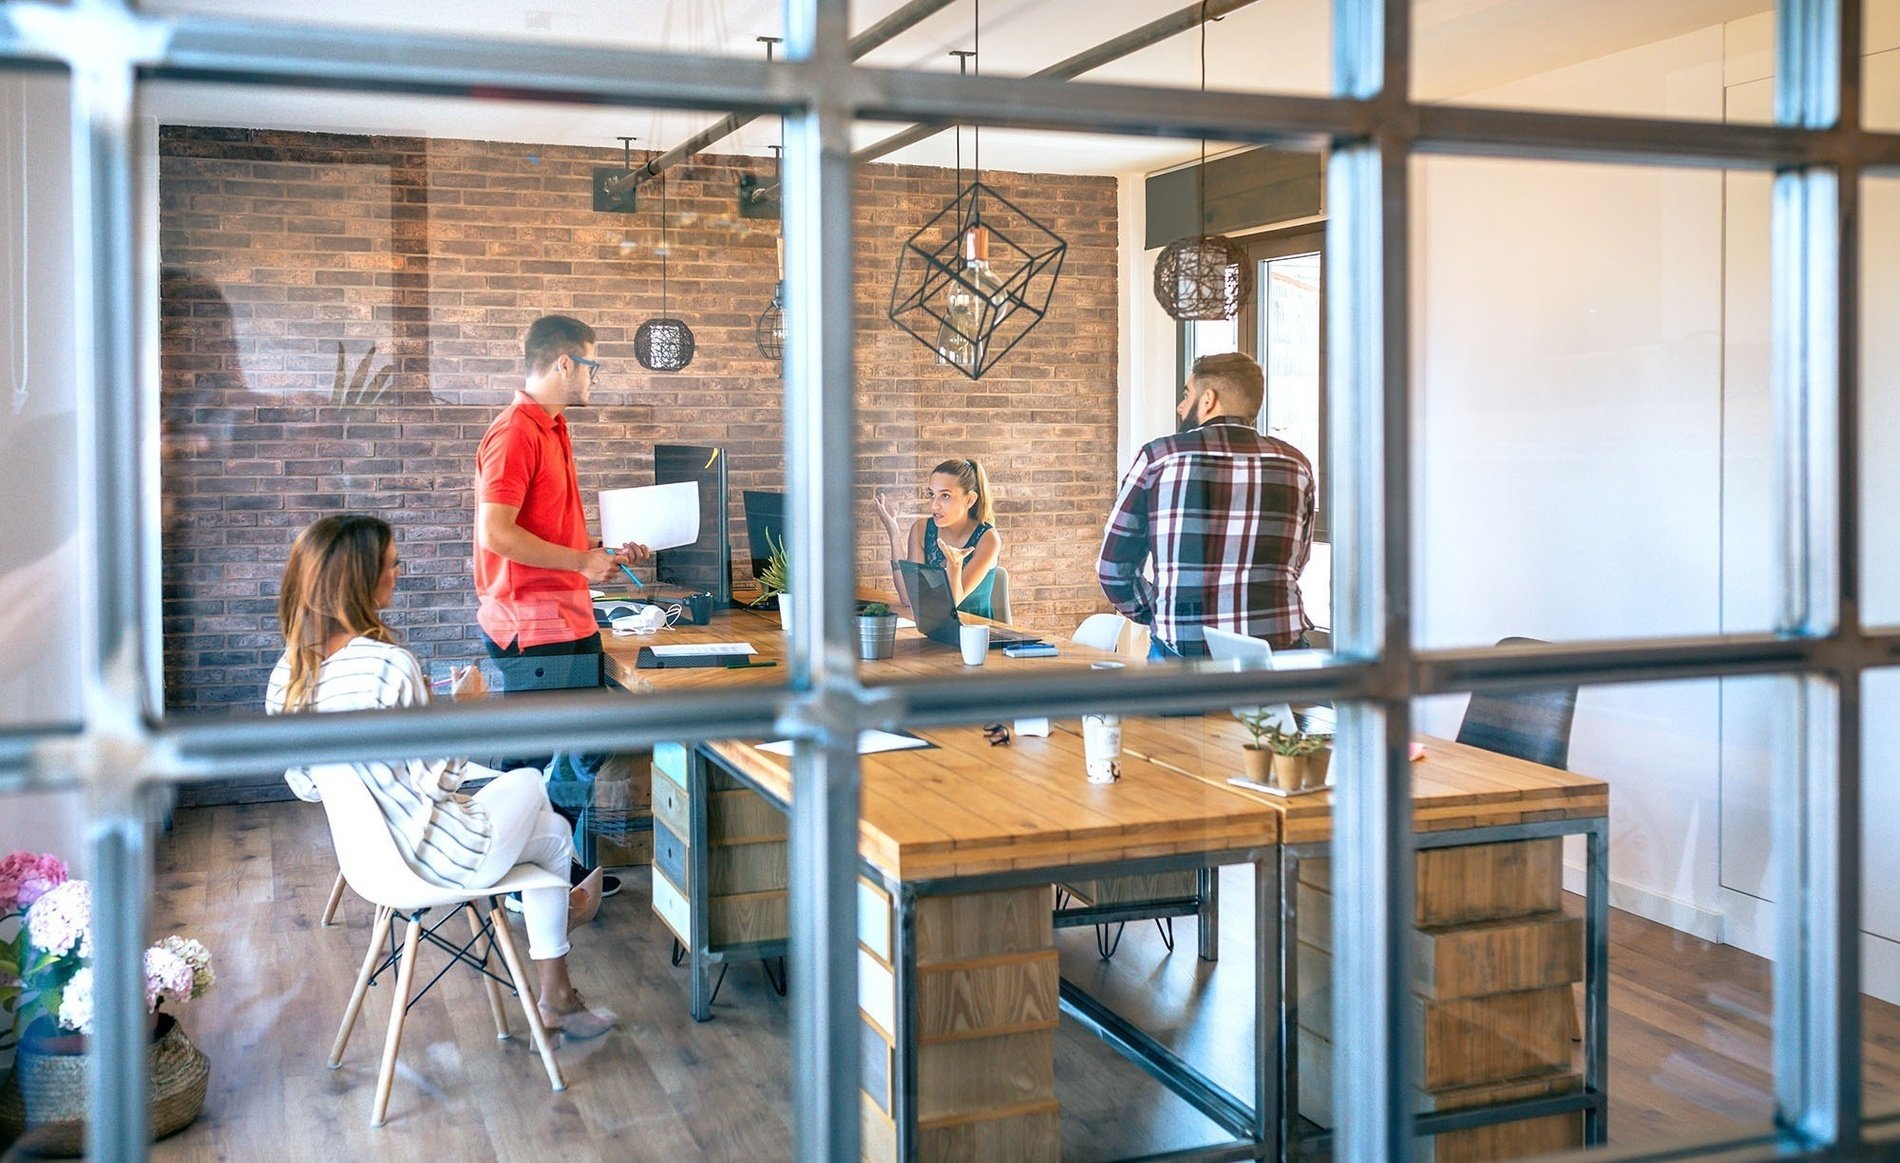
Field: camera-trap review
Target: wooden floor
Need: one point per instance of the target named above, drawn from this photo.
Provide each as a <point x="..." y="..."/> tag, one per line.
<point x="1689" y="1030"/>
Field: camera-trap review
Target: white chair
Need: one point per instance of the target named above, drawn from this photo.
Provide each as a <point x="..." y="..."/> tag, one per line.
<point x="999" y="596"/>
<point x="377" y="872"/>
<point x="1101" y="631"/>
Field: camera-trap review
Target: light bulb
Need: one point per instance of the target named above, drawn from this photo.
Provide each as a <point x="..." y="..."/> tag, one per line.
<point x="976" y="269"/>
<point x="958" y="326"/>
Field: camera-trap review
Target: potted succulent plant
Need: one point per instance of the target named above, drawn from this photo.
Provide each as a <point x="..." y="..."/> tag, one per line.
<point x="877" y="631"/>
<point x="1296" y="759"/>
<point x="775" y="581"/>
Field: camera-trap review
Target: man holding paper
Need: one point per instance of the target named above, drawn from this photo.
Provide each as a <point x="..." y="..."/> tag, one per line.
<point x="533" y="555"/>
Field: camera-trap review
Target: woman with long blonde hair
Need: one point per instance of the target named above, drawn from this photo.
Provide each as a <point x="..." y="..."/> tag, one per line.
<point x="340" y="656"/>
<point x="959" y="535"/>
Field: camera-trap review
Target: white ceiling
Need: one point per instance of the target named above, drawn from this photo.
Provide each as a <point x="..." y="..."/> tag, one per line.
<point x="1269" y="46"/>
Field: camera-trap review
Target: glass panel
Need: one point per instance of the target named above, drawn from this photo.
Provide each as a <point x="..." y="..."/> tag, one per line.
<point x="1880" y="401"/>
<point x="1880" y="904"/>
<point x="42" y="554"/>
<point x="1618" y="57"/>
<point x="1590" y="347"/>
<point x="1880" y="69"/>
<point x="1280" y="46"/>
<point x="1685" y="769"/>
<point x="727" y="29"/>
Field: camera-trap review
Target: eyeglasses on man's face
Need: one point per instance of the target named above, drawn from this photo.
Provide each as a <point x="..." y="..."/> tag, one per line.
<point x="592" y="366"/>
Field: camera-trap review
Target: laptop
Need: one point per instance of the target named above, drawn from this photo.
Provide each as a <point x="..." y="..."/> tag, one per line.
<point x="936" y="614"/>
<point x="1226" y="645"/>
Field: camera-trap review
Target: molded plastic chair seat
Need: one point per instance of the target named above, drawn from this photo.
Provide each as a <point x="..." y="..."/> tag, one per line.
<point x="1531" y="724"/>
<point x="375" y="869"/>
<point x="999" y="596"/>
<point x="1101" y="631"/>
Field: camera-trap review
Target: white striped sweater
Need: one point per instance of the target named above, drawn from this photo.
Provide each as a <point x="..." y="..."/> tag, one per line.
<point x="442" y="834"/>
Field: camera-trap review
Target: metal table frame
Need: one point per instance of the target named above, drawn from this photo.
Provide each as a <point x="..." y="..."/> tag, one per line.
<point x="1592" y="1099"/>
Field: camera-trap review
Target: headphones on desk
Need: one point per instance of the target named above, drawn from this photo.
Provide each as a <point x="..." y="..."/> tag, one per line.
<point x="645" y="620"/>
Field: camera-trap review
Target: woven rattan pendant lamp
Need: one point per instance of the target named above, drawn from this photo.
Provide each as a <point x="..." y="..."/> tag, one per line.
<point x="664" y="344"/>
<point x="979" y="276"/>
<point x="1203" y="277"/>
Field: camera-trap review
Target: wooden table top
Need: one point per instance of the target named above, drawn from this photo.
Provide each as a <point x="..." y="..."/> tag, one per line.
<point x="913" y="657"/>
<point x="964" y="807"/>
<point x="1453" y="785"/>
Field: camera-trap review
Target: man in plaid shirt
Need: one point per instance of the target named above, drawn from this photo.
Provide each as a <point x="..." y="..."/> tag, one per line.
<point x="1225" y="514"/>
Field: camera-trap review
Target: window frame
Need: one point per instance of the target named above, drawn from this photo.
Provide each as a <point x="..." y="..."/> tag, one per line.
<point x="1817" y="149"/>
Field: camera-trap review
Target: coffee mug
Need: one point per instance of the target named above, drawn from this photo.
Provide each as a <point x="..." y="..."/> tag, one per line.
<point x="976" y="644"/>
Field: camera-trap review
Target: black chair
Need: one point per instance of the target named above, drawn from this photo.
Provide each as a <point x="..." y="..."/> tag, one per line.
<point x="1533" y="725"/>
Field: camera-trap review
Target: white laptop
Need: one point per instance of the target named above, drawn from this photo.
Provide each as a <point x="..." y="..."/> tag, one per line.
<point x="1226" y="645"/>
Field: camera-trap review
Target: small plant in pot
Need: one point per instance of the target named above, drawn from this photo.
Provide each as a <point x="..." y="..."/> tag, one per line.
<point x="1297" y="760"/>
<point x="877" y="631"/>
<point x="775" y="581"/>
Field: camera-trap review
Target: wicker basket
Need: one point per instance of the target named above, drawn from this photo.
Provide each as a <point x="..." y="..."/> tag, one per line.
<point x="47" y="1092"/>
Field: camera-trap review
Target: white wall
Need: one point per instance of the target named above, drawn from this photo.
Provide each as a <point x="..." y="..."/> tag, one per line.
<point x="40" y="611"/>
<point x="1591" y="362"/>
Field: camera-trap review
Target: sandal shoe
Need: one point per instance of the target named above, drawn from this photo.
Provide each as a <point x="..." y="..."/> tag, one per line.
<point x="583" y="901"/>
<point x="579" y="1025"/>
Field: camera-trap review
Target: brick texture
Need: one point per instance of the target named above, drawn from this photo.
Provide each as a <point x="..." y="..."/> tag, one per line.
<point x="288" y="257"/>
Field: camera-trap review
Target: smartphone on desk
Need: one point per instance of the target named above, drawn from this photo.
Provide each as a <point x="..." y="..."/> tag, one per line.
<point x="1029" y="650"/>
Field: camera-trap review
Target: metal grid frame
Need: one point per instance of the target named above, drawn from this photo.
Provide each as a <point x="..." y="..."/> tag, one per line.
<point x="1817" y="149"/>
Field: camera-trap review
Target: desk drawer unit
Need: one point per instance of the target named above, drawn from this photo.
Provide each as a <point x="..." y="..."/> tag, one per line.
<point x="982" y="1012"/>
<point x="738" y="842"/>
<point x="1496" y="962"/>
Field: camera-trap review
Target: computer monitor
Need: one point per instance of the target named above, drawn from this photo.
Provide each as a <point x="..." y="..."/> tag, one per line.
<point x="764" y="525"/>
<point x="1225" y="645"/>
<point x="706" y="564"/>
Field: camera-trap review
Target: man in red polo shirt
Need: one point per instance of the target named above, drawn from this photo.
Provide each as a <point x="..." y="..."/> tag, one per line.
<point x="533" y="555"/>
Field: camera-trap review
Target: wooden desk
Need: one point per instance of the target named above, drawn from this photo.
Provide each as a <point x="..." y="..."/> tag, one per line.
<point x="959" y="844"/>
<point x="1496" y="955"/>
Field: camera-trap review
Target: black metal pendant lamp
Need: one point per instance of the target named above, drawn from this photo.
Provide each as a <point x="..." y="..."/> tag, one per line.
<point x="980" y="274"/>
<point x="1203" y="277"/>
<point x="664" y="344"/>
<point x="769" y="331"/>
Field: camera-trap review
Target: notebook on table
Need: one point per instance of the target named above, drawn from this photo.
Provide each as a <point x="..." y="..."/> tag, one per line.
<point x="936" y="611"/>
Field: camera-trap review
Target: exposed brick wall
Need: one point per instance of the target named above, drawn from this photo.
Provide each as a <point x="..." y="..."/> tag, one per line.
<point x="282" y="249"/>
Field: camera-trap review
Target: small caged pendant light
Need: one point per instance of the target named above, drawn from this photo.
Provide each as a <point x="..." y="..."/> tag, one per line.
<point x="664" y="344"/>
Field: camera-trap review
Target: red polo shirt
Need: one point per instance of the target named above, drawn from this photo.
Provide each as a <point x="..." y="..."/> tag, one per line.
<point x="527" y="461"/>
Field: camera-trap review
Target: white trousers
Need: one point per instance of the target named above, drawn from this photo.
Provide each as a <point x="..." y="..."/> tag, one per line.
<point x="527" y="831"/>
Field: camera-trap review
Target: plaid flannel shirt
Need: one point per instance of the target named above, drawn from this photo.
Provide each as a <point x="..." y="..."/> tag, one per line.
<point x="1226" y="516"/>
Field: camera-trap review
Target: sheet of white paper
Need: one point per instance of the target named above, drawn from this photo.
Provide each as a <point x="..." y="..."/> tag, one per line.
<point x="869" y="743"/>
<point x="656" y="516"/>
<point x="904" y="623"/>
<point x="677" y="649"/>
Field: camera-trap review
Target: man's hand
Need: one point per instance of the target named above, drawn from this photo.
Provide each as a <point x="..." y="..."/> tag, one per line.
<point x="598" y="564"/>
<point x="634" y="553"/>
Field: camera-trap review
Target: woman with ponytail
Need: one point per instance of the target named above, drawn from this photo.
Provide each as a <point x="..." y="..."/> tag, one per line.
<point x="959" y="535"/>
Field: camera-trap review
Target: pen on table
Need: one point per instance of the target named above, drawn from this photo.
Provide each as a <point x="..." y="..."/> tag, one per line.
<point x="748" y="665"/>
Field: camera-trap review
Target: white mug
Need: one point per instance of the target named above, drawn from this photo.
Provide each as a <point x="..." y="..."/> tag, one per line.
<point x="1102" y="747"/>
<point x="976" y="644"/>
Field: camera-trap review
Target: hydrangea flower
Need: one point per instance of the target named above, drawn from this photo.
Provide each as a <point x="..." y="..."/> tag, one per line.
<point x="25" y="877"/>
<point x="195" y="955"/>
<point x="168" y="977"/>
<point x="61" y="920"/>
<point x="75" y="1006"/>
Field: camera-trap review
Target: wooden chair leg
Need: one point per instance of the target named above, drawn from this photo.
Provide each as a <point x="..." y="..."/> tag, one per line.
<point x="398" y="1010"/>
<point x="336" y="898"/>
<point x="378" y="933"/>
<point x="542" y="1043"/>
<point x="493" y="987"/>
